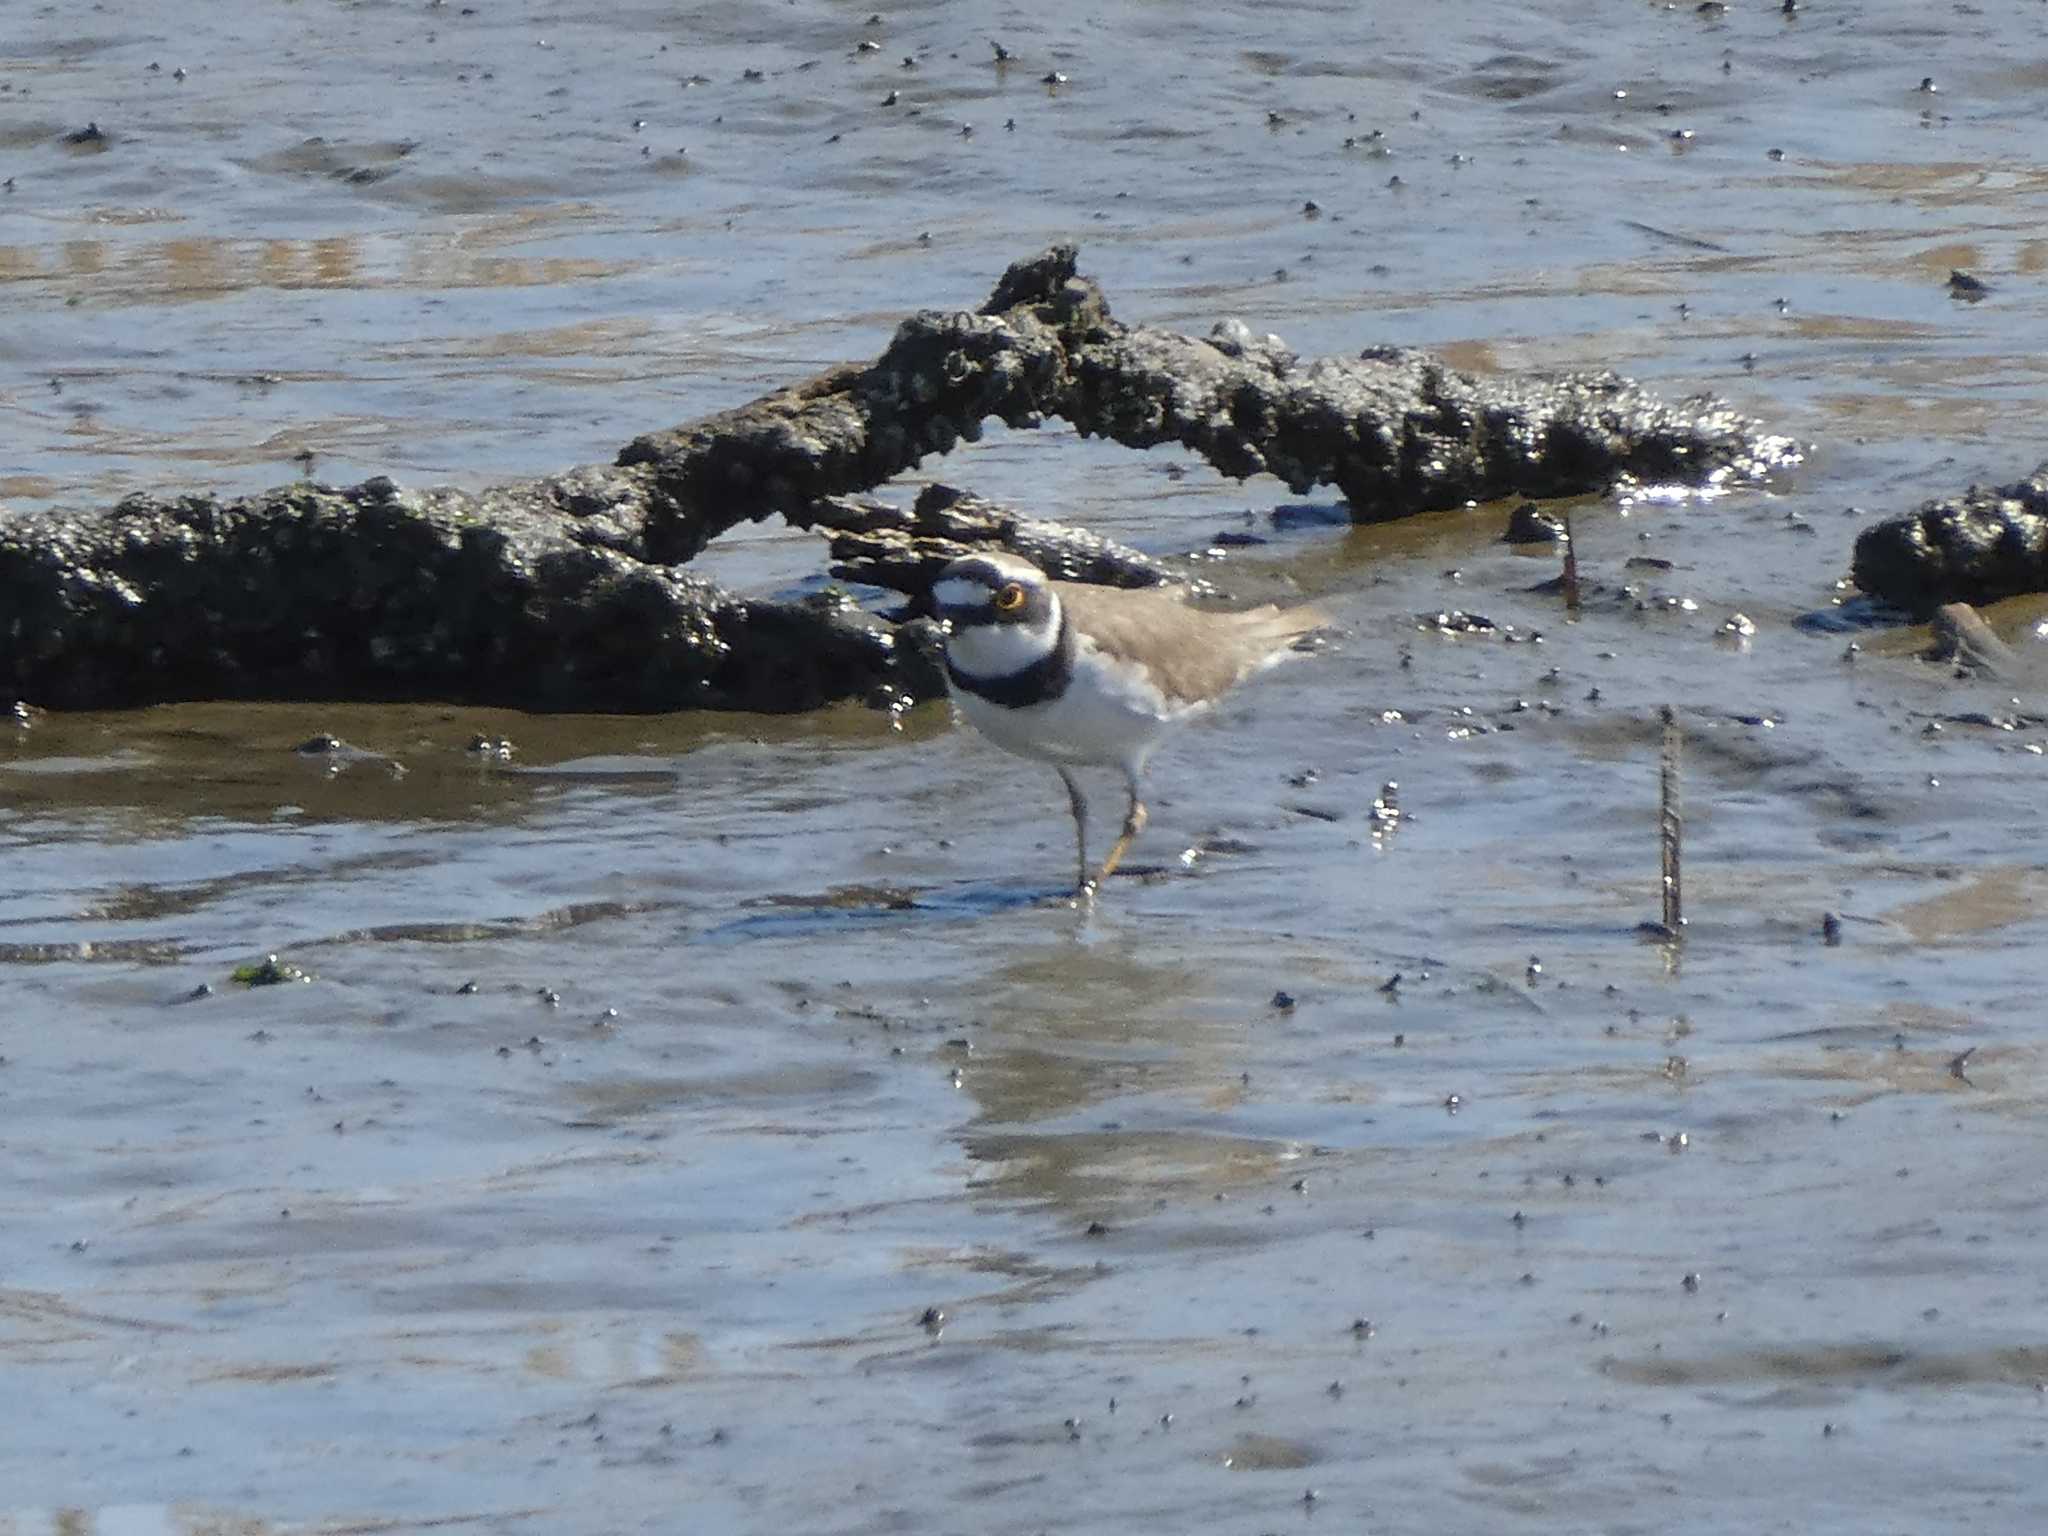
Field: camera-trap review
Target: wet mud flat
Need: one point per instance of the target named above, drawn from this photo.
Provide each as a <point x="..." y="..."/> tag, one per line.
<point x="671" y="1091"/>
<point x="646" y="1105"/>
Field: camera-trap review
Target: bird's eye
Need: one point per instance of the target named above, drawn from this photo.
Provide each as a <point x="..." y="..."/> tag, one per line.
<point x="1009" y="599"/>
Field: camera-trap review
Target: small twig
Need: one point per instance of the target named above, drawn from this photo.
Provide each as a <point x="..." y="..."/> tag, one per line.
<point x="1571" y="571"/>
<point x="1671" y="827"/>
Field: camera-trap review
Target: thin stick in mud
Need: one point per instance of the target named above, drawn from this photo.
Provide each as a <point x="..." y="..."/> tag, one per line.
<point x="1671" y="826"/>
<point x="1571" y="572"/>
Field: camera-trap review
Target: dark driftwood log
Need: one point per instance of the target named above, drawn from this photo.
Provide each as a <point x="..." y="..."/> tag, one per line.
<point x="512" y="596"/>
<point x="1990" y="542"/>
<point x="1395" y="431"/>
<point x="562" y="593"/>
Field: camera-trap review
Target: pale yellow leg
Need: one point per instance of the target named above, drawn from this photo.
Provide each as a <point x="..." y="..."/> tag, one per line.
<point x="1134" y="823"/>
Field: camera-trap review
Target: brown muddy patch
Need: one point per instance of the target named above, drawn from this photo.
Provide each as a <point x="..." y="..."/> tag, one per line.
<point x="268" y="1374"/>
<point x="610" y="1103"/>
<point x="679" y="1358"/>
<point x="193" y="269"/>
<point x="1266" y="1453"/>
<point x="1895" y="1368"/>
<point x="1939" y="184"/>
<point x="1086" y="1172"/>
<point x="1982" y="903"/>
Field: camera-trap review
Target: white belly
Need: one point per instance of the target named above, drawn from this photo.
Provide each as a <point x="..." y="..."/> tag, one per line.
<point x="1103" y="717"/>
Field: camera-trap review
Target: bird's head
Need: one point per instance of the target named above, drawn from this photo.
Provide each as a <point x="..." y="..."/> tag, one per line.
<point x="995" y="589"/>
<point x="1001" y="612"/>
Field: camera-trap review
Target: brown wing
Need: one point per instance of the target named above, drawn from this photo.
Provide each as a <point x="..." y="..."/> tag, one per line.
<point x="1193" y="654"/>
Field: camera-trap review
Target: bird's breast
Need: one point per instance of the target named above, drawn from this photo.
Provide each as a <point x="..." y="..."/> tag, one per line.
<point x="1107" y="713"/>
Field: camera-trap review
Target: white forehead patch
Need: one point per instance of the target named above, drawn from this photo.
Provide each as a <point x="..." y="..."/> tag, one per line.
<point x="958" y="592"/>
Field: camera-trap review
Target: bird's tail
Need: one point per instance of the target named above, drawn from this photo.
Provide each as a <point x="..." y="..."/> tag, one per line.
<point x="1283" y="631"/>
<point x="1288" y="626"/>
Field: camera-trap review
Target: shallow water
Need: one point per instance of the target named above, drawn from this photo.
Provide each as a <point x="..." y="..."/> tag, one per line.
<point x="647" y="1088"/>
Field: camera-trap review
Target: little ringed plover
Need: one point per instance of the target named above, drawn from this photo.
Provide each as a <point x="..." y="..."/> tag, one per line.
<point x="1077" y="675"/>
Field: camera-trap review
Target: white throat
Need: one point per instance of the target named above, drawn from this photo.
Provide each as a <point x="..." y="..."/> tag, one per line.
<point x="1003" y="650"/>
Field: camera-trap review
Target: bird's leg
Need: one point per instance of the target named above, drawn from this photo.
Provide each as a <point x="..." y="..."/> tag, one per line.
<point x="1080" y="809"/>
<point x="1134" y="823"/>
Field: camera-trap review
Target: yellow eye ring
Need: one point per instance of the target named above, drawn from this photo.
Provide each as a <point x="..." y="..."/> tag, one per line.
<point x="1009" y="599"/>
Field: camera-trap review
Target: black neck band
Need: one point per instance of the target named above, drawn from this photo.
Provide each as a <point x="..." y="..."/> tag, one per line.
<point x="1046" y="678"/>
